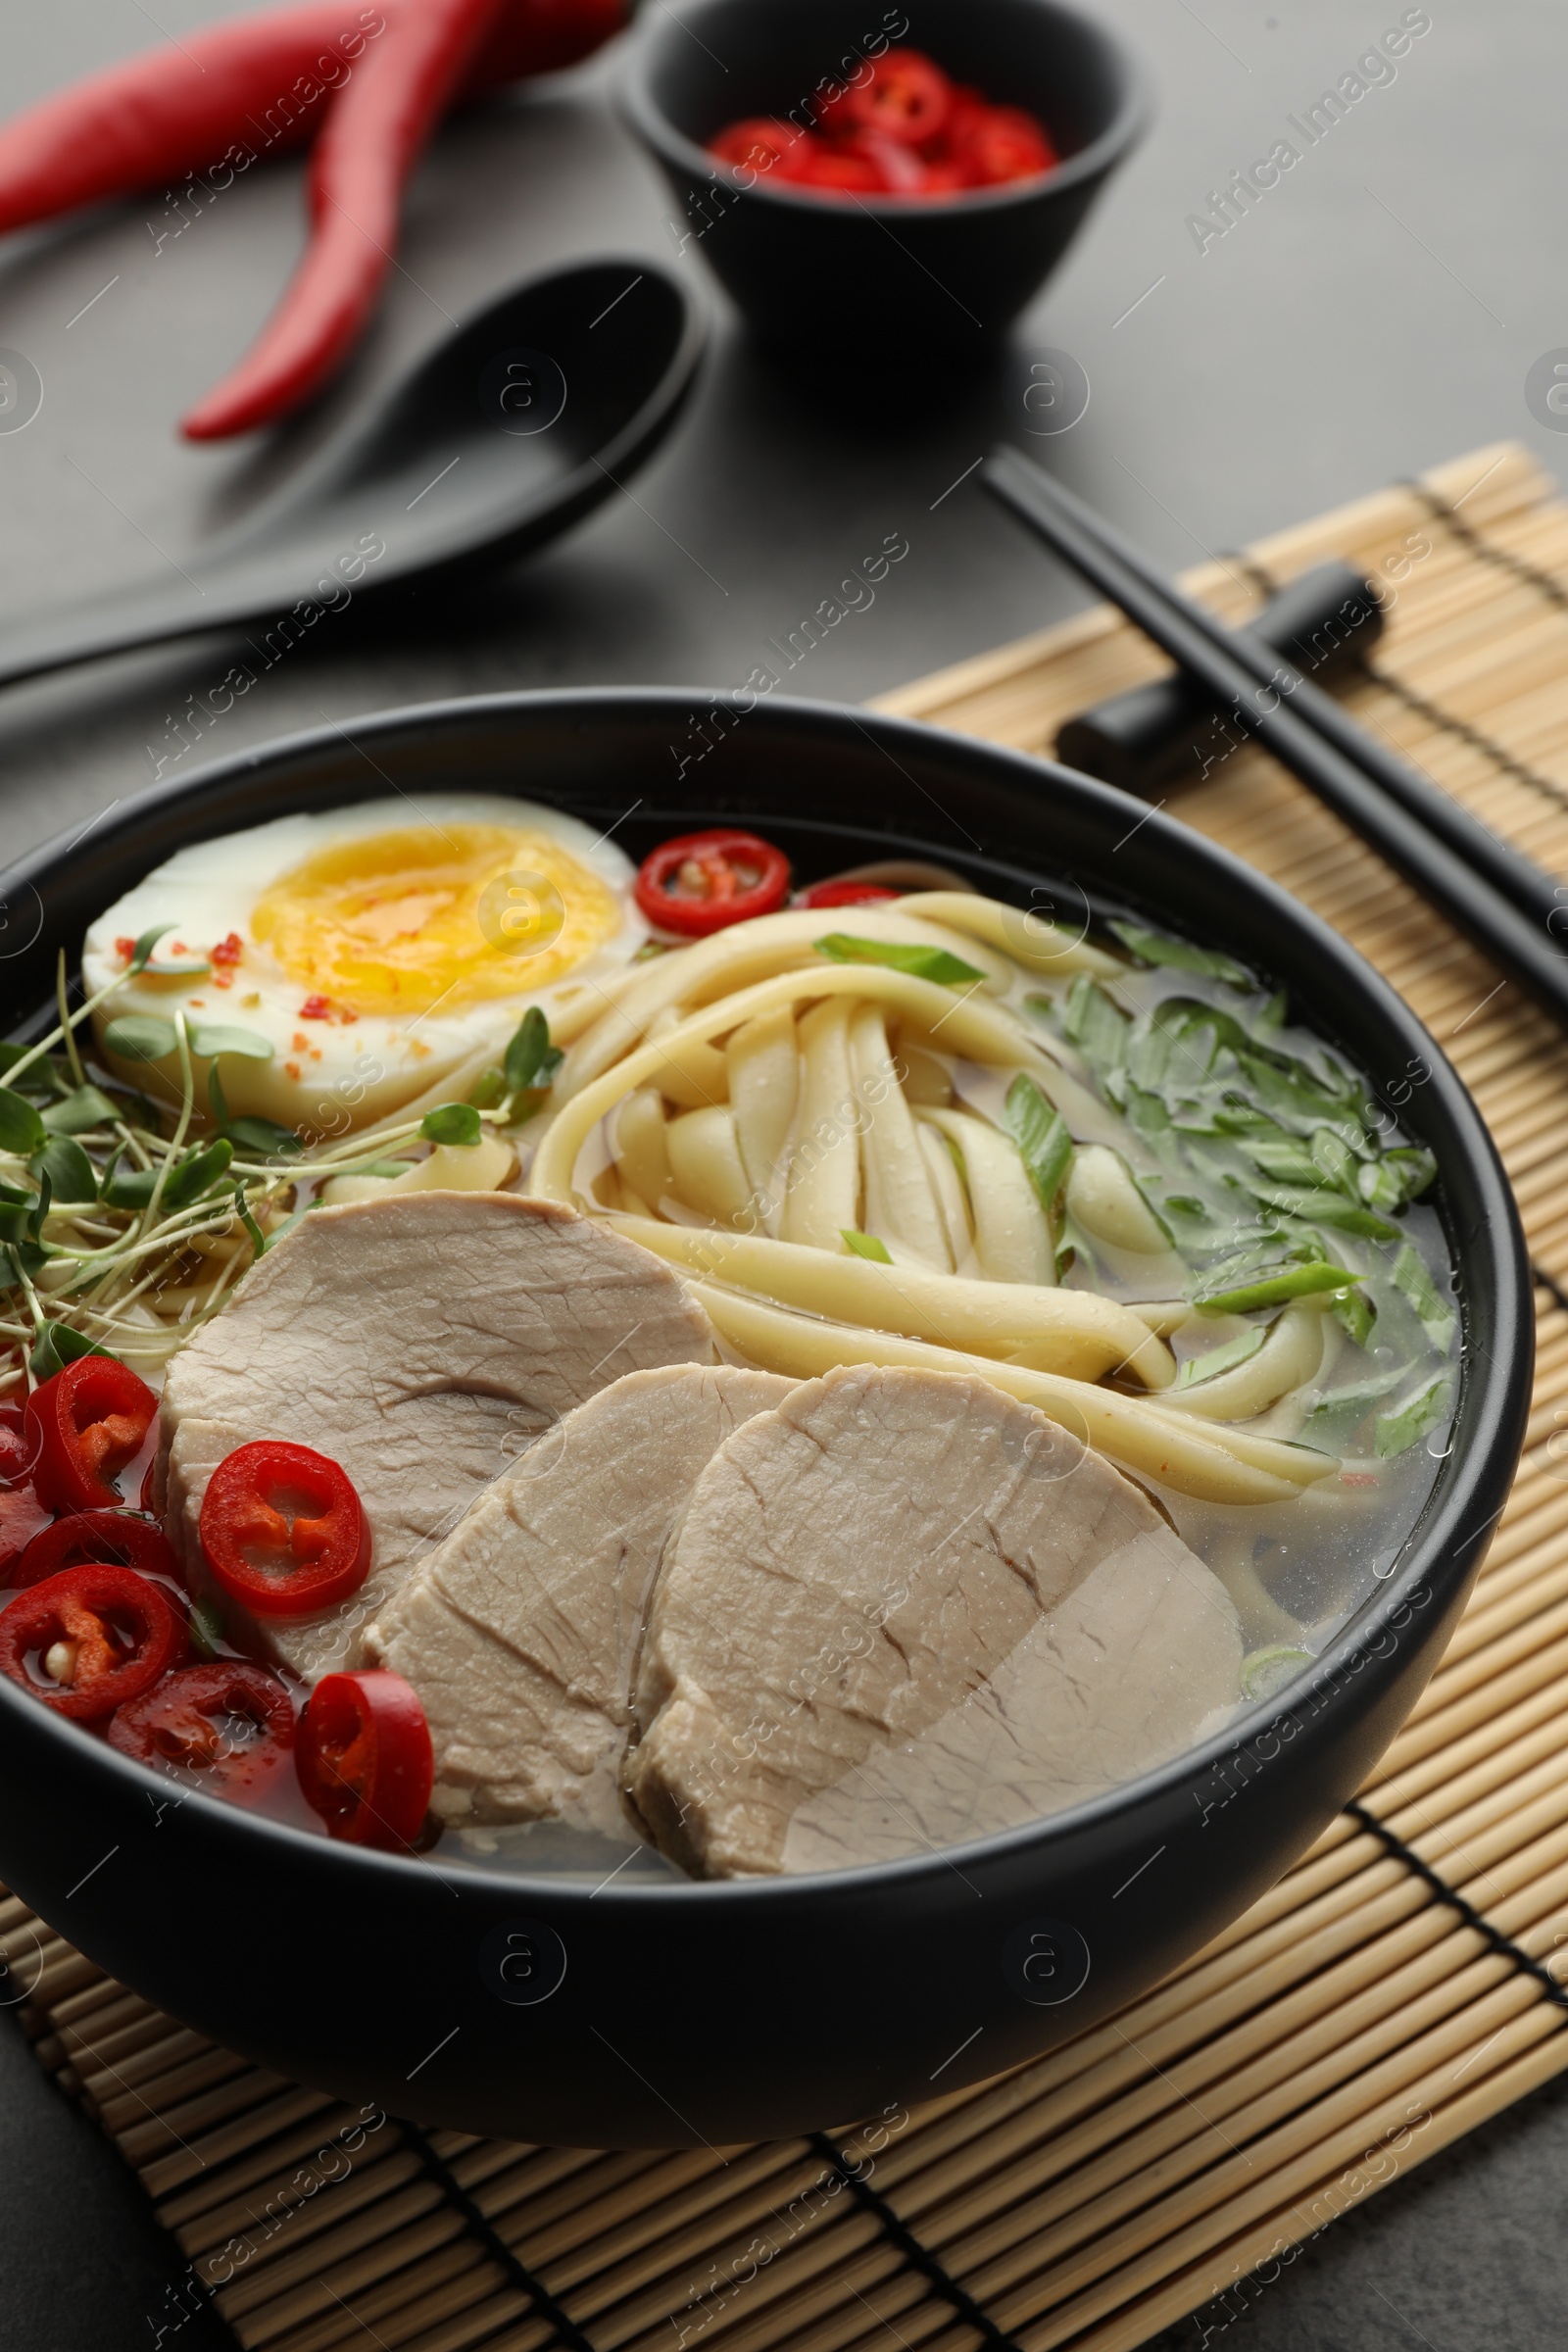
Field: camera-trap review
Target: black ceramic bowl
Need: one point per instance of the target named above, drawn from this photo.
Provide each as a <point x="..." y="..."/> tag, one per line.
<point x="539" y="2008"/>
<point x="900" y="275"/>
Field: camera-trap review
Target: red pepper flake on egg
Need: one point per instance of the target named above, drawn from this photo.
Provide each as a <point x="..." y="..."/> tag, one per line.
<point x="223" y="957"/>
<point x="322" y="1008"/>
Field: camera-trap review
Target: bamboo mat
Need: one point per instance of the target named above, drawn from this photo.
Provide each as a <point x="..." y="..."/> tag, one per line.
<point x="1396" y="1988"/>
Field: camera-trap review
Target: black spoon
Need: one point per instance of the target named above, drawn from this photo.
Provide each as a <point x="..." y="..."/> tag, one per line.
<point x="498" y="439"/>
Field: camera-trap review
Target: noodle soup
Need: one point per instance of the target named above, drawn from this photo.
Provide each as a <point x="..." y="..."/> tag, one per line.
<point x="1012" y="1355"/>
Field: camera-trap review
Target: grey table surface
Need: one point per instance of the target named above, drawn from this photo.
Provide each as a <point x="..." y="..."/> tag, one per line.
<point x="1378" y="313"/>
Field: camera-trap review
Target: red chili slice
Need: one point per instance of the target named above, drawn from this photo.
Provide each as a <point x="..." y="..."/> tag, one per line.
<point x="1007" y="144"/>
<point x="282" y="1529"/>
<point x="364" y="1758"/>
<point x="756" y="143"/>
<point x="124" y="1538"/>
<point x="17" y="1452"/>
<point x="907" y="98"/>
<point x="844" y="894"/>
<point x="701" y="882"/>
<point x="87" y="1640"/>
<point x="232" y="1721"/>
<point x="23" y="1517"/>
<point x="826" y="165"/>
<point x="901" y="170"/>
<point x="87" y="1424"/>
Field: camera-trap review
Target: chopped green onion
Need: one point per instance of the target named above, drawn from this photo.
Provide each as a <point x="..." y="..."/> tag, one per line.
<point x="1224" y="1358"/>
<point x="1095" y="1026"/>
<point x="1274" y="1289"/>
<point x="1398" y="1432"/>
<point x="1413" y="1278"/>
<point x="1379" y="1185"/>
<point x="1325" y="1208"/>
<point x="924" y="963"/>
<point x="1271" y="1019"/>
<point x="1335" y="1417"/>
<point x="1283" y="1157"/>
<point x="1333" y="1161"/>
<point x="1355" y="1315"/>
<point x="1402" y="1175"/>
<point x="864" y="1245"/>
<point x="1041" y="1134"/>
<point x="1417" y="1168"/>
<point x="1181" y="955"/>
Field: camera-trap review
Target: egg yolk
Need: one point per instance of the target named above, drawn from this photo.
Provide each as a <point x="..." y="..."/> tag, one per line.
<point x="449" y="915"/>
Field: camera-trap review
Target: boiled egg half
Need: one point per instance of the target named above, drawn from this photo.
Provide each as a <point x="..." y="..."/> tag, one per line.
<point x="370" y="956"/>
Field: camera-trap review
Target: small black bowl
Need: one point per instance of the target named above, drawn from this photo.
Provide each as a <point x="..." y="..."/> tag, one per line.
<point x="900" y="276"/>
<point x="539" y="2006"/>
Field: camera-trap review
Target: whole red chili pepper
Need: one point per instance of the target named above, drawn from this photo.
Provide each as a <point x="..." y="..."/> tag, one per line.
<point x="370" y="142"/>
<point x="180" y="109"/>
<point x="242" y="90"/>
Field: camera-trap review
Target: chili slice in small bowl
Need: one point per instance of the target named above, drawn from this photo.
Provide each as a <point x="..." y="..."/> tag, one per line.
<point x="90" y="1639"/>
<point x="282" y="1529"/>
<point x="85" y="1424"/>
<point x="703" y="882"/>
<point x="232" y="1722"/>
<point x="365" y="1759"/>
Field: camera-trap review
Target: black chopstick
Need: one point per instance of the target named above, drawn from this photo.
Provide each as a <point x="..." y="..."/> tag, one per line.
<point x="1489" y="890"/>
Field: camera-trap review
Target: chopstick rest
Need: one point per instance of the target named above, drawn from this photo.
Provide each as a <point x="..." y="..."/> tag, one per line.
<point x="1168" y="732"/>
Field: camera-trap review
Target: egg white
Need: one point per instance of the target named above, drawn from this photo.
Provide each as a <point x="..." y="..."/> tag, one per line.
<point x="328" y="1076"/>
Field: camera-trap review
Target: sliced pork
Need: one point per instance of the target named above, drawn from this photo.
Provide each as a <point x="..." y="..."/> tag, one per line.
<point x="519" y="1632"/>
<point x="424" y="1343"/>
<point x="853" y="1567"/>
<point x="1138" y="1663"/>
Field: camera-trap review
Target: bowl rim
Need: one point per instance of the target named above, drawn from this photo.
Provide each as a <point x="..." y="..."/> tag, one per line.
<point x="650" y="123"/>
<point x="1493" y="1384"/>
